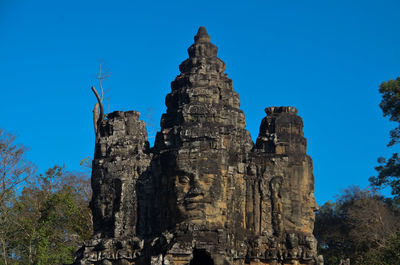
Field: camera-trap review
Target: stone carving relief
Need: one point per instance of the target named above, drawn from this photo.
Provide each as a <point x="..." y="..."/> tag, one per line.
<point x="205" y="193"/>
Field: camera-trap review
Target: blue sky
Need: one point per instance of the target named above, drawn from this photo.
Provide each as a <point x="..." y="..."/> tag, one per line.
<point x="326" y="58"/>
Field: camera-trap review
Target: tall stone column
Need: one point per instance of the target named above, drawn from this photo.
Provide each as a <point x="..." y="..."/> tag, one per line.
<point x="203" y="147"/>
<point x="280" y="158"/>
<point x="203" y="140"/>
<point x="121" y="158"/>
<point x="121" y="162"/>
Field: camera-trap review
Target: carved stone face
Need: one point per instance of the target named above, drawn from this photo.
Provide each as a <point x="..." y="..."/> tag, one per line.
<point x="309" y="214"/>
<point x="198" y="197"/>
<point x="311" y="242"/>
<point x="292" y="240"/>
<point x="314" y="206"/>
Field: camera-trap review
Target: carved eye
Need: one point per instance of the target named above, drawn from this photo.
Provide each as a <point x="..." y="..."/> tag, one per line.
<point x="184" y="179"/>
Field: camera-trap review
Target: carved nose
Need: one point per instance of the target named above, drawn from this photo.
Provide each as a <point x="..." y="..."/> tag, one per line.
<point x="195" y="190"/>
<point x="315" y="207"/>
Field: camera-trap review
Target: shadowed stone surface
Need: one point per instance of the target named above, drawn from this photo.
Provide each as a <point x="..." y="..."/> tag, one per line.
<point x="204" y="194"/>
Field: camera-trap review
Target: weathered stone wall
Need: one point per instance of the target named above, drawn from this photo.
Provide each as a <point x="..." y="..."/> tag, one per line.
<point x="121" y="161"/>
<point x="204" y="194"/>
<point x="281" y="201"/>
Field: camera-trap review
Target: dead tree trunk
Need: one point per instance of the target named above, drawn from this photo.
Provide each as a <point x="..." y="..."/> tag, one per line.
<point x="97" y="117"/>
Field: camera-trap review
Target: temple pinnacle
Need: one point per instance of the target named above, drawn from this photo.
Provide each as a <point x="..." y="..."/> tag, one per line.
<point x="202" y="35"/>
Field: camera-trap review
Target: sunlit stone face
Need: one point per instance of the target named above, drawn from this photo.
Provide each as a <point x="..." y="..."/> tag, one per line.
<point x="309" y="205"/>
<point x="310" y="215"/>
<point x="199" y="197"/>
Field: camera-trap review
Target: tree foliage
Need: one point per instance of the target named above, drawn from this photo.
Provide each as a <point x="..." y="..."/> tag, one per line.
<point x="14" y="171"/>
<point x="361" y="226"/>
<point x="52" y="217"/>
<point x="390" y="106"/>
<point x="389" y="169"/>
<point x="44" y="218"/>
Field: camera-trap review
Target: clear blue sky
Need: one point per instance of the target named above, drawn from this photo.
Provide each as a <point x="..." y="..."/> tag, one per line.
<point x="326" y="58"/>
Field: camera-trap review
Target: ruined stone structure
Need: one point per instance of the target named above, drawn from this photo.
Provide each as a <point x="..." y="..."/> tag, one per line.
<point x="205" y="193"/>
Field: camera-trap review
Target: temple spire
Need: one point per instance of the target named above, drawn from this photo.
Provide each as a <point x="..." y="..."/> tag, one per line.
<point x="202" y="47"/>
<point x="202" y="35"/>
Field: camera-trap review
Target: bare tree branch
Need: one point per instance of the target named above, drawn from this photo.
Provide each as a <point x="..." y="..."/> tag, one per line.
<point x="150" y="125"/>
<point x="95" y="116"/>
<point x="100" y="117"/>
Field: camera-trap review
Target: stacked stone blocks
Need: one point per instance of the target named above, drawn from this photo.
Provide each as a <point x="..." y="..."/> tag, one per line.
<point x="205" y="193"/>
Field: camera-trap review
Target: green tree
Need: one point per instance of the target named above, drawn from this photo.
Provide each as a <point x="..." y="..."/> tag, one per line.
<point x="389" y="169"/>
<point x="360" y="225"/>
<point x="331" y="233"/>
<point x="389" y="254"/>
<point x="51" y="218"/>
<point x="43" y="218"/>
<point x="14" y="171"/>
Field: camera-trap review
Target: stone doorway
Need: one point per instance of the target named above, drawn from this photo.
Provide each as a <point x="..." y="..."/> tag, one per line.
<point x="201" y="257"/>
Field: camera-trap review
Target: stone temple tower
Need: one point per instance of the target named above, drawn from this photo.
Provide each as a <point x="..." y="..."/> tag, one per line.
<point x="205" y="193"/>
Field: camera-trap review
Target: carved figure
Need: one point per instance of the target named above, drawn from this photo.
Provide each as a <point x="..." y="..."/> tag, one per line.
<point x="310" y="247"/>
<point x="293" y="246"/>
<point x="277" y="221"/>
